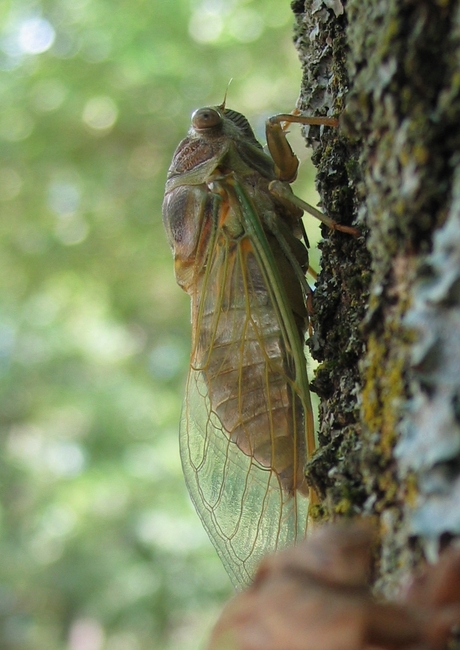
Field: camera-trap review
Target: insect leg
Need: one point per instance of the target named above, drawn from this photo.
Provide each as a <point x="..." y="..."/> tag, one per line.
<point x="303" y="119"/>
<point x="286" y="162"/>
<point x="310" y="270"/>
<point x="283" y="194"/>
<point x="272" y="224"/>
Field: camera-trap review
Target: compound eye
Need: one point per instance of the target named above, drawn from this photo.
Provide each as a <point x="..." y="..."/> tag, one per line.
<point x="205" y="118"/>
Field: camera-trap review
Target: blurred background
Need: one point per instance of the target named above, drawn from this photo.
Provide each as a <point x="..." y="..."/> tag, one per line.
<point x="100" y="548"/>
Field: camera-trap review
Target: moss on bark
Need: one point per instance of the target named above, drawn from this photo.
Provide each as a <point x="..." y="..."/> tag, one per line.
<point x="390" y="69"/>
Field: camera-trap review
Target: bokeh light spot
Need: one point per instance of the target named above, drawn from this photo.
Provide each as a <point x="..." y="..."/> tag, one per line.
<point x="164" y="530"/>
<point x="72" y="229"/>
<point x="166" y="360"/>
<point x="16" y="125"/>
<point x="48" y="95"/>
<point x="110" y="498"/>
<point x="145" y="162"/>
<point x="205" y="26"/>
<point x="29" y="445"/>
<point x="64" y="458"/>
<point x="63" y="197"/>
<point x="7" y="341"/>
<point x="10" y="184"/>
<point x="246" y="25"/>
<point x="100" y="113"/>
<point x="96" y="47"/>
<point x="36" y="35"/>
<point x="86" y="634"/>
<point x="58" y="521"/>
<point x="45" y="549"/>
<point x="141" y="460"/>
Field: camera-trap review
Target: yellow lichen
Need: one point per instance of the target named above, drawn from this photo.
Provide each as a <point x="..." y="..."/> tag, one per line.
<point x="318" y="512"/>
<point x="343" y="507"/>
<point x="421" y="154"/>
<point x="411" y="490"/>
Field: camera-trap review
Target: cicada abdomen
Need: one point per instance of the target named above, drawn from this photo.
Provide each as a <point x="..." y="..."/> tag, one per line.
<point x="246" y="423"/>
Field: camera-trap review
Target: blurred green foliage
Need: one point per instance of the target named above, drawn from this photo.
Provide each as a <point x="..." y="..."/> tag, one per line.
<point x="100" y="547"/>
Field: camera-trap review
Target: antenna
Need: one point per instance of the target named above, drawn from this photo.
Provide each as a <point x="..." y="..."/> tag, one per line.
<point x="222" y="106"/>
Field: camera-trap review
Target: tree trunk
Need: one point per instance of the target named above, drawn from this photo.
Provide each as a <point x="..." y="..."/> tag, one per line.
<point x="387" y="316"/>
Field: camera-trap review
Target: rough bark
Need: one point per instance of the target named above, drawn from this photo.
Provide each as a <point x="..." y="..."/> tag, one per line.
<point x="387" y="305"/>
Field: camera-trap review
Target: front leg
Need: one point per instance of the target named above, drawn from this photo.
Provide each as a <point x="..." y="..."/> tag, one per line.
<point x="287" y="164"/>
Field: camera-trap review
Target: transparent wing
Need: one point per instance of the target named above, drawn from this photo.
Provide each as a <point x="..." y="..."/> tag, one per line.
<point x="245" y="415"/>
<point x="243" y="507"/>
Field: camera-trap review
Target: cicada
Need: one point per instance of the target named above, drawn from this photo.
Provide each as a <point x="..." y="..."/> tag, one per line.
<point x="240" y="252"/>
